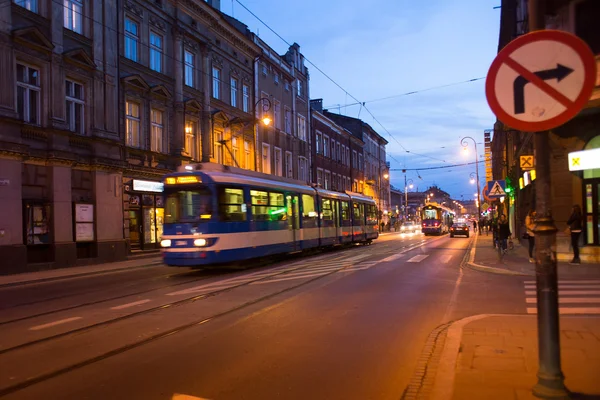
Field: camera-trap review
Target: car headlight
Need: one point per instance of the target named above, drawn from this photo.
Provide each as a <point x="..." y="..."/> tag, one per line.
<point x="403" y="228"/>
<point x="165" y="243"/>
<point x="200" y="242"/>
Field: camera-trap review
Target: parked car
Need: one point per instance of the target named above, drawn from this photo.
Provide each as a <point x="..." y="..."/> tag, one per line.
<point x="459" y="229"/>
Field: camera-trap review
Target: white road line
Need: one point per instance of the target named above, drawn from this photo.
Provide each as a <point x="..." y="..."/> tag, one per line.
<point x="571" y="310"/>
<point x="358" y="257"/>
<point x="392" y="258"/>
<point x="446" y="259"/>
<point x="568" y="292"/>
<point x="569" y="287"/>
<point x="562" y="281"/>
<point x="568" y="300"/>
<point x="418" y="258"/>
<point x="290" y="278"/>
<point x="135" y="303"/>
<point x="59" y="322"/>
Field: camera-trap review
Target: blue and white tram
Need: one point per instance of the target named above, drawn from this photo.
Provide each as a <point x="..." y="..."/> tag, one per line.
<point x="216" y="214"/>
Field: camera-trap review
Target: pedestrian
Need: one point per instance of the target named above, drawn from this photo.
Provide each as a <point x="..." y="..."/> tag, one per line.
<point x="529" y="224"/>
<point x="503" y="232"/>
<point x="474" y="226"/>
<point x="575" y="223"/>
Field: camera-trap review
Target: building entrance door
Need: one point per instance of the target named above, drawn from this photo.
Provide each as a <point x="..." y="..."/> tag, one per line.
<point x="135" y="228"/>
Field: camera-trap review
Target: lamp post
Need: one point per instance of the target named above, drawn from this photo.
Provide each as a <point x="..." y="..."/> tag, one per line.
<point x="472" y="177"/>
<point x="407" y="184"/>
<point x="266" y="121"/>
<point x="464" y="143"/>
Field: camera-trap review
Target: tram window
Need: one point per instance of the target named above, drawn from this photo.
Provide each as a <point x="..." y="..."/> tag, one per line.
<point x="345" y="209"/>
<point x="231" y="204"/>
<point x="277" y="210"/>
<point x="430" y="214"/>
<point x="326" y="212"/>
<point x="260" y="205"/>
<point x="188" y="205"/>
<point x="309" y="213"/>
<point x="358" y="214"/>
<point x="371" y="215"/>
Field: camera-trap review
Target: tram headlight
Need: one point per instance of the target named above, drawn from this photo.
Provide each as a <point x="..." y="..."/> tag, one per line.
<point x="165" y="243"/>
<point x="200" y="242"/>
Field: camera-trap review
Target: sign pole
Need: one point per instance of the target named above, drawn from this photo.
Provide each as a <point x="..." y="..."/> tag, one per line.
<point x="550" y="377"/>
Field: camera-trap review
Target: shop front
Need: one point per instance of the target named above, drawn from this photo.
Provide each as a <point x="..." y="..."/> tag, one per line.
<point x="144" y="213"/>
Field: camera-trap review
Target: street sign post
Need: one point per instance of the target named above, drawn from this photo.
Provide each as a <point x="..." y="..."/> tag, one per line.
<point x="526" y="162"/>
<point x="541" y="80"/>
<point x="496" y="189"/>
<point x="537" y="82"/>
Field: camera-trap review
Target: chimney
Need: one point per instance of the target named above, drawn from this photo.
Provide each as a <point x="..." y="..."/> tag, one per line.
<point x="214" y="4"/>
<point x="317" y="105"/>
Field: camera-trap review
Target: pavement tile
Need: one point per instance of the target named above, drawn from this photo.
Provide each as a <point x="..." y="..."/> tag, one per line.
<point x="504" y="351"/>
<point x="510" y="379"/>
<point x="525" y="394"/>
<point x="483" y="392"/>
<point x="494" y="341"/>
<point x="499" y="363"/>
<point x="588" y="336"/>
<point x="571" y="334"/>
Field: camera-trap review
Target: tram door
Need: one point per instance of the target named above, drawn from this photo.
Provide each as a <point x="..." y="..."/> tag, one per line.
<point x="293" y="218"/>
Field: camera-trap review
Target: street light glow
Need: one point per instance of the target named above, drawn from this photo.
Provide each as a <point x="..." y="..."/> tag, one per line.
<point x="385" y="176"/>
<point x="266" y="121"/>
<point x="472" y="181"/>
<point x="411" y="186"/>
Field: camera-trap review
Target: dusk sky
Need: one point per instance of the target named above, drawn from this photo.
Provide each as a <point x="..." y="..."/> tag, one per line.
<point x="380" y="48"/>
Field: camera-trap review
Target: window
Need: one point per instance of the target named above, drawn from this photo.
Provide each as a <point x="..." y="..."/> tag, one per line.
<point x="371" y="214"/>
<point x="318" y="140"/>
<point x="31" y="5"/>
<point x="286" y="85"/>
<point x="260" y="205"/>
<point x="234" y="89"/>
<point x="338" y="151"/>
<point x="278" y="161"/>
<point x="157" y="130"/>
<point x="326" y="212"/>
<point x="156" y="52"/>
<point x="347" y="156"/>
<point x="190" y="139"/>
<point x="288" y="120"/>
<point x="302" y="169"/>
<point x="264" y="69"/>
<point x="188" y="206"/>
<point x="327" y="181"/>
<point x="320" y="177"/>
<point x="345" y="208"/>
<point x="73" y="15"/>
<point x="37" y="224"/>
<point x="235" y="151"/>
<point x="300" y="88"/>
<point x="276" y="78"/>
<point x="332" y="149"/>
<point x="133" y="123"/>
<point x="231" y="204"/>
<point x="75" y="103"/>
<point x="188" y="70"/>
<point x="354" y="159"/>
<point x="216" y="73"/>
<point x="343" y="155"/>
<point x="289" y="165"/>
<point x="333" y="179"/>
<point x="325" y="146"/>
<point x="266" y="158"/>
<point x="309" y="212"/>
<point x="219" y="147"/>
<point x="301" y="127"/>
<point x="360" y="162"/>
<point x="131" y="39"/>
<point x="246" y="98"/>
<point x="28" y="94"/>
<point x="247" y="162"/>
<point x="277" y="114"/>
<point x="358" y="214"/>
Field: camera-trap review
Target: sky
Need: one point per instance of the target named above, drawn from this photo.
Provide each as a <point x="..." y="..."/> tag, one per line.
<point x="375" y="49"/>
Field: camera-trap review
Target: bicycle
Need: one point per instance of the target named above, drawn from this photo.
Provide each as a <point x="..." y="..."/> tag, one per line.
<point x="510" y="245"/>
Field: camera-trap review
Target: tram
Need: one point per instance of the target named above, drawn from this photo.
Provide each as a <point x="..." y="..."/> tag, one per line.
<point x="217" y="214"/>
<point x="436" y="219"/>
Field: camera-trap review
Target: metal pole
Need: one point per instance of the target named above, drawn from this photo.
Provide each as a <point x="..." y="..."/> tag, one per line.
<point x="405" y="199"/>
<point x="463" y="143"/>
<point x="550" y="377"/>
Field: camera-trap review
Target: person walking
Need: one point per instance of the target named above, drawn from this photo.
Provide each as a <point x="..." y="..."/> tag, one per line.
<point x="475" y="226"/>
<point x="503" y="232"/>
<point x="529" y="225"/>
<point x="575" y="223"/>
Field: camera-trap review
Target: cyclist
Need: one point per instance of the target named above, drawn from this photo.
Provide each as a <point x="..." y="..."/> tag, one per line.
<point x="503" y="232"/>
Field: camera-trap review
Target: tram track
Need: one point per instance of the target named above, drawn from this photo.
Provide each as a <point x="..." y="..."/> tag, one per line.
<point x="61" y="370"/>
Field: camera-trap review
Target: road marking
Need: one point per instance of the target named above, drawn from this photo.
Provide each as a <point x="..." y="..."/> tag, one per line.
<point x="569" y="286"/>
<point x="568" y="292"/>
<point x="59" y="322"/>
<point x="418" y="258"/>
<point x="135" y="303"/>
<point x="571" y="310"/>
<point x="567" y="300"/>
<point x="446" y="259"/>
<point x="392" y="257"/>
<point x="358" y="257"/>
<point x="289" y="278"/>
<point x="562" y="281"/>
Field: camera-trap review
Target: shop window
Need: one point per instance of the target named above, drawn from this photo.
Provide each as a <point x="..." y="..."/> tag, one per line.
<point x="37" y="224"/>
<point x="309" y="213"/>
<point x="231" y="204"/>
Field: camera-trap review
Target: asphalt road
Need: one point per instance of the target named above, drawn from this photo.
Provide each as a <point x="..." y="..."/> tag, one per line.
<point x="346" y="324"/>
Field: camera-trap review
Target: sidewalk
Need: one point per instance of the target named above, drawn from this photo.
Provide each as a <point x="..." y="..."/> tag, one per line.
<point x="516" y="262"/>
<point x="62" y="273"/>
<point x="496" y="357"/>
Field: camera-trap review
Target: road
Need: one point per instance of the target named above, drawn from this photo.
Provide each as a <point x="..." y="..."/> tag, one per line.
<point x="349" y="324"/>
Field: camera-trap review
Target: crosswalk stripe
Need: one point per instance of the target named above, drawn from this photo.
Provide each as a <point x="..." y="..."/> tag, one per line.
<point x="392" y="257"/>
<point x="568" y="300"/>
<point x="568" y="287"/>
<point x="571" y="310"/>
<point x="418" y="258"/>
<point x="571" y="281"/>
<point x="289" y="278"/>
<point x="358" y="257"/>
<point x="568" y="292"/>
<point x="446" y="259"/>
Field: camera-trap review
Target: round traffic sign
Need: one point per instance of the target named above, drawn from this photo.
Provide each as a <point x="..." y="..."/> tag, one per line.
<point x="541" y="80"/>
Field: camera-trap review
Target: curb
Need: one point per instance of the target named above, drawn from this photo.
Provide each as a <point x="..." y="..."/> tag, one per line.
<point x="77" y="275"/>
<point x="492" y="270"/>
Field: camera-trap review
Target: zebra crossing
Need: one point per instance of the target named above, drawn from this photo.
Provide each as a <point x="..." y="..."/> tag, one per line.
<point x="581" y="296"/>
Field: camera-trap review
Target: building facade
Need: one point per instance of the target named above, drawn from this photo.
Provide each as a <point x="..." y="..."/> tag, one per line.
<point x="581" y="187"/>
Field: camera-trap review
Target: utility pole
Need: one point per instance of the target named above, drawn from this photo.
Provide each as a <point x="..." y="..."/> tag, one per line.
<point x="550" y="377"/>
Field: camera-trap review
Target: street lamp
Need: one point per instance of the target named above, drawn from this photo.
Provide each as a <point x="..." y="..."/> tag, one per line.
<point x="464" y="143"/>
<point x="407" y="184"/>
<point x="472" y="176"/>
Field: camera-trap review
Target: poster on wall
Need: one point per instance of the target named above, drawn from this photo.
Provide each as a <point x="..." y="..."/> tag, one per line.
<point x="84" y="222"/>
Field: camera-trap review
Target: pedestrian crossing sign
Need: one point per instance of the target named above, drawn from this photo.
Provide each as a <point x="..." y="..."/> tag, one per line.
<point x="496" y="189"/>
